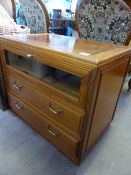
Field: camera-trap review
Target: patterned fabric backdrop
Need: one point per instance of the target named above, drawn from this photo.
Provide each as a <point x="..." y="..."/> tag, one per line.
<point x="104" y="20"/>
<point x="34" y="15"/>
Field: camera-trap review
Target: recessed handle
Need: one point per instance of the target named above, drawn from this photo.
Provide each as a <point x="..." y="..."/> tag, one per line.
<point x="58" y="111"/>
<point x="18" y="87"/>
<point x="53" y="133"/>
<point x="18" y="106"/>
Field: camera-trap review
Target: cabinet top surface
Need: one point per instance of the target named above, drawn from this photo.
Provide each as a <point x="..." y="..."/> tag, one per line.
<point x="89" y="51"/>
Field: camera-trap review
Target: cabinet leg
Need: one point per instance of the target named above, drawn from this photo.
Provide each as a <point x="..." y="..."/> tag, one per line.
<point x="129" y="85"/>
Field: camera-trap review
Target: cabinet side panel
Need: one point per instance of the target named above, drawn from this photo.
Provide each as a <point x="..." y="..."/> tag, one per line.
<point x="3" y="98"/>
<point x="108" y="94"/>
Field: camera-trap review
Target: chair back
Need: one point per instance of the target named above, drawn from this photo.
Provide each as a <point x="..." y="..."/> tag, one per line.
<point x="128" y="2"/>
<point x="104" y="20"/>
<point x="36" y="15"/>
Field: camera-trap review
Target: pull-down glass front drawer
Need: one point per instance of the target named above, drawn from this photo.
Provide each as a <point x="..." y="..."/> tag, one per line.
<point x="61" y="80"/>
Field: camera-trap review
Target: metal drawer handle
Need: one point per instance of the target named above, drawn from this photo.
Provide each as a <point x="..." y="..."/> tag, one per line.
<point x="18" y="106"/>
<point x="16" y="86"/>
<point x="55" y="134"/>
<point x="53" y="110"/>
<point x="29" y="55"/>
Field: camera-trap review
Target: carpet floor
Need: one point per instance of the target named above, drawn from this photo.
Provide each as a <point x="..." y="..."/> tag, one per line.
<point x="24" y="152"/>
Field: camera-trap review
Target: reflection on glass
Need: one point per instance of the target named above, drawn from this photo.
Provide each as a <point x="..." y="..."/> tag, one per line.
<point x="63" y="81"/>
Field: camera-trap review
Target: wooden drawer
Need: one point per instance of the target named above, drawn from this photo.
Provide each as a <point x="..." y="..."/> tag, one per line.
<point x="60" y="139"/>
<point x="57" y="112"/>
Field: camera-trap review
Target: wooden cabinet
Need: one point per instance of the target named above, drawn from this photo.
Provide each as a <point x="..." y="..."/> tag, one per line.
<point x="65" y="88"/>
<point x="3" y="99"/>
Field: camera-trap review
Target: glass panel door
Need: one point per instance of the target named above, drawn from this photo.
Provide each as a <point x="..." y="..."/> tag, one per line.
<point x="61" y="80"/>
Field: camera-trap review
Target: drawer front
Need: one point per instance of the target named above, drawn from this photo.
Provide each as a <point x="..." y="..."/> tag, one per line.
<point x="65" y="116"/>
<point x="56" y="136"/>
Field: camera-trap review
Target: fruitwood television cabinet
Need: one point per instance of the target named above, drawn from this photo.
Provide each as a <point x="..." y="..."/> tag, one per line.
<point x="67" y="89"/>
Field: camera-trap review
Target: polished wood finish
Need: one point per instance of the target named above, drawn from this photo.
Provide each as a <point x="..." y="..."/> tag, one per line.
<point x="82" y="120"/>
<point x="86" y="52"/>
<point x="44" y="127"/>
<point x="106" y="110"/>
<point x="70" y="117"/>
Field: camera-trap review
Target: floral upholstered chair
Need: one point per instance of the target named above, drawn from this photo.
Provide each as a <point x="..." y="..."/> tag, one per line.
<point x="36" y="15"/>
<point x="104" y="20"/>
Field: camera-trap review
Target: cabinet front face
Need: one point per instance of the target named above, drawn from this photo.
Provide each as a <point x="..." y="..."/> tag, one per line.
<point x="56" y="95"/>
<point x="63" y="82"/>
<point x="67" y="99"/>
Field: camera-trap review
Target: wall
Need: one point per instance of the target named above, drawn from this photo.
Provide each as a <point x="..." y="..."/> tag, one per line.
<point x="59" y="4"/>
<point x="73" y="5"/>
